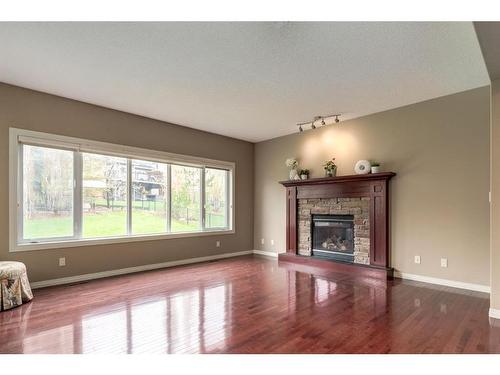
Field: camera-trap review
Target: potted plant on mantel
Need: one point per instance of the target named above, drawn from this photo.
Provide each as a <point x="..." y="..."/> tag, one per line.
<point x="330" y="168"/>
<point x="375" y="167"/>
<point x="304" y="174"/>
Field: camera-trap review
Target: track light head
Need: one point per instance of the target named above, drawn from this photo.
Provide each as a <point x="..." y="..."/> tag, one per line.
<point x="323" y="121"/>
<point x="313" y="126"/>
<point x="337" y="119"/>
<point x="300" y="129"/>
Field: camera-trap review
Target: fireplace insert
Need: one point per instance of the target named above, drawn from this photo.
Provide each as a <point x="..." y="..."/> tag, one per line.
<point x="333" y="237"/>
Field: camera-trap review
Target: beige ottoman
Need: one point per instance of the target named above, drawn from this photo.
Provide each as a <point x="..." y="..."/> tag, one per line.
<point x="14" y="285"/>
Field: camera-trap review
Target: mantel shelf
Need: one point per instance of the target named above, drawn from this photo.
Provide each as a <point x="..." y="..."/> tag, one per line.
<point x="338" y="179"/>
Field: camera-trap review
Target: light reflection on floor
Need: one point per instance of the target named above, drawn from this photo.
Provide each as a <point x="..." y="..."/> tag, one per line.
<point x="189" y="321"/>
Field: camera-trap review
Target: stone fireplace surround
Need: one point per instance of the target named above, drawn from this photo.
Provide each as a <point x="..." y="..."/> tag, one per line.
<point x="366" y="197"/>
<point x="358" y="207"/>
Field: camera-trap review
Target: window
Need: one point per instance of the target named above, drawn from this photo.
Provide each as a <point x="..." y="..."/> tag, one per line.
<point x="216" y="198"/>
<point x="104" y="196"/>
<point x="47" y="193"/>
<point x="69" y="192"/>
<point x="186" y="212"/>
<point x="149" y="197"/>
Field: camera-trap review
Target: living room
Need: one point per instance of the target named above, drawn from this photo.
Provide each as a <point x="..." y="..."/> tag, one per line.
<point x="189" y="187"/>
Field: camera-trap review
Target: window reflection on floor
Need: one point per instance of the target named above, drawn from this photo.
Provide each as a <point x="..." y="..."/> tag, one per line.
<point x="149" y="327"/>
<point x="185" y="321"/>
<point x="323" y="288"/>
<point x="214" y="317"/>
<point x="190" y="321"/>
<point x="105" y="333"/>
<point x="60" y="337"/>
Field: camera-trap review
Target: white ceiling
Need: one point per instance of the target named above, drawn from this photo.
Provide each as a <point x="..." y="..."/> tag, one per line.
<point x="252" y="81"/>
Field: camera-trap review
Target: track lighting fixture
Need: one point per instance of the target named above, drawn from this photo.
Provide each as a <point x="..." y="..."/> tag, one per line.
<point x="312" y="123"/>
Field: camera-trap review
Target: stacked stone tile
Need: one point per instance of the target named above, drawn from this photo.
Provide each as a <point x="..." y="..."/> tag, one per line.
<point x="358" y="207"/>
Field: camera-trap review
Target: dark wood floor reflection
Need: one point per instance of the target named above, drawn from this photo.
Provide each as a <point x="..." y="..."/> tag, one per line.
<point x="249" y="305"/>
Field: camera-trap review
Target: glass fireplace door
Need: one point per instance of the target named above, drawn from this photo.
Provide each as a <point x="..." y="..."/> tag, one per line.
<point x="333" y="236"/>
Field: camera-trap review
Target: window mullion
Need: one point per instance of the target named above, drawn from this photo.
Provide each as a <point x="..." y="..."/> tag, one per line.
<point x="129" y="197"/>
<point x="77" y="194"/>
<point x="169" y="199"/>
<point x="202" y="198"/>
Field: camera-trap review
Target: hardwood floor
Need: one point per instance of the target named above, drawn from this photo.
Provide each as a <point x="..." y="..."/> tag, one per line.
<point x="250" y="305"/>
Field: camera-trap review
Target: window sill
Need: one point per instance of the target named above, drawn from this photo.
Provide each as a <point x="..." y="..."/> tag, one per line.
<point x="106" y="241"/>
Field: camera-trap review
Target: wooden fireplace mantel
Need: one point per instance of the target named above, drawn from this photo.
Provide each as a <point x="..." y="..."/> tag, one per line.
<point x="375" y="186"/>
<point x="340" y="179"/>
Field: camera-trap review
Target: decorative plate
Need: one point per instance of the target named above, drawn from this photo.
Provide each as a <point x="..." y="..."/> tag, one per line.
<point x="362" y="167"/>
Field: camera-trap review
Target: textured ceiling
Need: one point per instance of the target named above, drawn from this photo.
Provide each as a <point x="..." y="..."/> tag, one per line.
<point x="252" y="81"/>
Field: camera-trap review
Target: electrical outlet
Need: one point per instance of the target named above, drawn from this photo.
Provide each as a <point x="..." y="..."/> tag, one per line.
<point x="272" y="242"/>
<point x="444" y="262"/>
<point x="217" y="243"/>
<point x="62" y="262"/>
<point x="262" y="241"/>
<point x="417" y="259"/>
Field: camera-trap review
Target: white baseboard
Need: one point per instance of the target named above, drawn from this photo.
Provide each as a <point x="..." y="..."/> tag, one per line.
<point x="123" y="271"/>
<point x="494" y="313"/>
<point x="271" y="254"/>
<point x="446" y="282"/>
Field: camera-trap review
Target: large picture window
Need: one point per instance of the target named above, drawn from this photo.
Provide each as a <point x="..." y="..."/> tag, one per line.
<point x="71" y="193"/>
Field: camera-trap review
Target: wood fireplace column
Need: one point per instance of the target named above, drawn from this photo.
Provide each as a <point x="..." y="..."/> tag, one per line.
<point x="291" y="219"/>
<point x="379" y="224"/>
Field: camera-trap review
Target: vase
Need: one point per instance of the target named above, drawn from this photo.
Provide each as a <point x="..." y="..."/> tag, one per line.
<point x="375" y="169"/>
<point x="303" y="177"/>
<point x="331" y="172"/>
<point x="293" y="174"/>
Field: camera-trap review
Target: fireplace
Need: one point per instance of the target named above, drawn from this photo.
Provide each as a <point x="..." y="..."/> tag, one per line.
<point x="333" y="237"/>
<point x="339" y="223"/>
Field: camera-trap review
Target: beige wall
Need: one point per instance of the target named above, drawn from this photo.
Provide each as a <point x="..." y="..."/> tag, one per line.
<point x="439" y="206"/>
<point x="495" y="195"/>
<point x="32" y="110"/>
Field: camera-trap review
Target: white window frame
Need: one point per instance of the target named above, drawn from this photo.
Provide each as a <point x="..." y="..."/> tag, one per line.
<point x="18" y="136"/>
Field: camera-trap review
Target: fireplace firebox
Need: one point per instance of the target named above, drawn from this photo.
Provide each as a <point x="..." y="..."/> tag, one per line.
<point x="333" y="237"/>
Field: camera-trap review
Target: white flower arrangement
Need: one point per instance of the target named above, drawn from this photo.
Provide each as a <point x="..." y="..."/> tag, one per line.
<point x="291" y="163"/>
